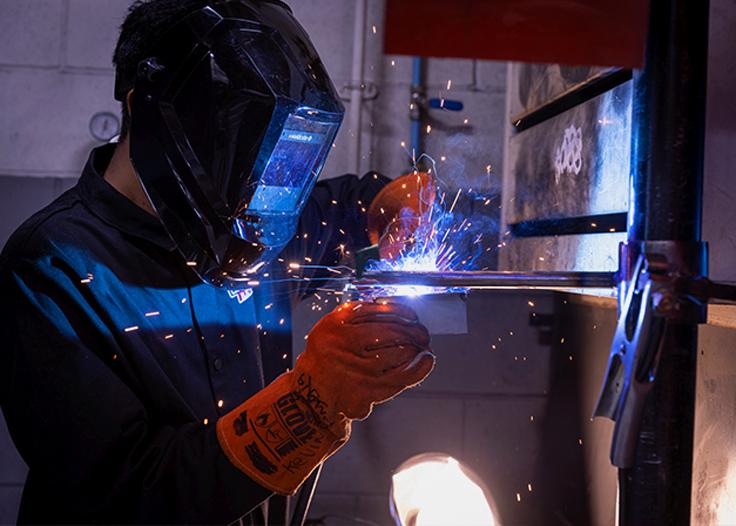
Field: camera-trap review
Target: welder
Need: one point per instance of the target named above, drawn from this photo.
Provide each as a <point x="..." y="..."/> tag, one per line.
<point x="146" y="370"/>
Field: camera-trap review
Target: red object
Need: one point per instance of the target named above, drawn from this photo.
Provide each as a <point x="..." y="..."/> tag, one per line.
<point x="590" y="32"/>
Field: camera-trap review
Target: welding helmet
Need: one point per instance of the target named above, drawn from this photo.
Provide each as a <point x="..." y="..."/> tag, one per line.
<point x="233" y="115"/>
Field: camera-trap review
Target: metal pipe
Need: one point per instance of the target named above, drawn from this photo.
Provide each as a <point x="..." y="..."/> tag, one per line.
<point x="669" y="122"/>
<point x="416" y="112"/>
<point x="666" y="205"/>
<point x="356" y="88"/>
<point x="487" y="279"/>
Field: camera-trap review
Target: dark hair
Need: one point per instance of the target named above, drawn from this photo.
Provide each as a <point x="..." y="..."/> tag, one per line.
<point x="145" y="22"/>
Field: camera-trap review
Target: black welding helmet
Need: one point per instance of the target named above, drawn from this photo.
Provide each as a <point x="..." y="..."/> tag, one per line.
<point x="233" y="116"/>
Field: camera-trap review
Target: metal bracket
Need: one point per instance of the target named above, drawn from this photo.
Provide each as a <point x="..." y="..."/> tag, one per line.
<point x="368" y="91"/>
<point x="666" y="283"/>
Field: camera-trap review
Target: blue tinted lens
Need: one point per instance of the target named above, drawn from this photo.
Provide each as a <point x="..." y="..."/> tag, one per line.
<point x="293" y="165"/>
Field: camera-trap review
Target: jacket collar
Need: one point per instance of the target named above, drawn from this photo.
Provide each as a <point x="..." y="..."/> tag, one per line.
<point x="114" y="208"/>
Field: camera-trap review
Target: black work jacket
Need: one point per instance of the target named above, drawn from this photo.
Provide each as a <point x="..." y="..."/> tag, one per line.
<point x="116" y="361"/>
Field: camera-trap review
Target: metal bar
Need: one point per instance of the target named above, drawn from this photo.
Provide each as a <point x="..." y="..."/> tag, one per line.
<point x="566" y="226"/>
<point x="483" y="279"/>
<point x="357" y="87"/>
<point x="591" y="88"/>
<point x="666" y="204"/>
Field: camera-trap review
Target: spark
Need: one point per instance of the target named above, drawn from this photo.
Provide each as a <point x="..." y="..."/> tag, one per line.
<point x="191" y="263"/>
<point x="449" y="85"/>
<point x="168" y="336"/>
<point x="443" y="240"/>
<point x="220" y="403"/>
<point x="518" y="497"/>
<point x="459" y="191"/>
<point x="206" y="421"/>
<point x="132" y="328"/>
<point x="374" y="29"/>
<point x="151" y="314"/>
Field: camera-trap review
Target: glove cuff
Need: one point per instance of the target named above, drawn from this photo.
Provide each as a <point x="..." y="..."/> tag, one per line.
<point x="277" y="438"/>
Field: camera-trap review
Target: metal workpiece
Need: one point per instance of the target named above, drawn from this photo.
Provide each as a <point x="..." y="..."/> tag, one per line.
<point x="489" y="279"/>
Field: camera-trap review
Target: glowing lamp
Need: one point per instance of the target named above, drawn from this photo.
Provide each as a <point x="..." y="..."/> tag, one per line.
<point x="434" y="489"/>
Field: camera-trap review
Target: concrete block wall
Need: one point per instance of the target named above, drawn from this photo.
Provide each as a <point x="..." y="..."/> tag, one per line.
<point x="55" y="74"/>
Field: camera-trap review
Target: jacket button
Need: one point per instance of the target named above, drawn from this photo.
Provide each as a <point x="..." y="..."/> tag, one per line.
<point x="217" y="364"/>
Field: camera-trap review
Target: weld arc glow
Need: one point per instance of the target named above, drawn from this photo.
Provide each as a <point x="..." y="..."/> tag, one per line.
<point x="442" y="239"/>
<point x="435" y="489"/>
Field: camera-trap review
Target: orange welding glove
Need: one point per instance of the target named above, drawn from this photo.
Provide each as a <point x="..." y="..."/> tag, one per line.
<point x="359" y="355"/>
<point x="398" y="211"/>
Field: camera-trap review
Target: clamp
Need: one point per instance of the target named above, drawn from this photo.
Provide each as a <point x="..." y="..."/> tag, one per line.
<point x="666" y="283"/>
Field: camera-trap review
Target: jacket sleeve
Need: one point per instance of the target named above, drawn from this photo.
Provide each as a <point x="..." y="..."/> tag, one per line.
<point x="332" y="226"/>
<point x="92" y="445"/>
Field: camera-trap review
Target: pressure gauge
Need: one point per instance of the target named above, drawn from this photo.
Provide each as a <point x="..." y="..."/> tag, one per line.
<point x="104" y="126"/>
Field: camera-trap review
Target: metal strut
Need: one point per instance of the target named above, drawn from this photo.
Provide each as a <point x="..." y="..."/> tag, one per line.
<point x="472" y="279"/>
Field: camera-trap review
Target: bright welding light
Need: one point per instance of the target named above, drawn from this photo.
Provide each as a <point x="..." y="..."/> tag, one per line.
<point x="409" y="291"/>
<point x="724" y="504"/>
<point x="435" y="489"/>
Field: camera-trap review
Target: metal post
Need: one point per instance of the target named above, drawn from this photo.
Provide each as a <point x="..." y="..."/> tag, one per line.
<point x="666" y="205"/>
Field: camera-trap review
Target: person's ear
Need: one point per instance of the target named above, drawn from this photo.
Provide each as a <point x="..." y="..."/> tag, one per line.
<point x="129" y="101"/>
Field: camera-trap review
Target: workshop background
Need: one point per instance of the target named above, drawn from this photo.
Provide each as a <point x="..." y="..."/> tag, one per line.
<point x="518" y="372"/>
